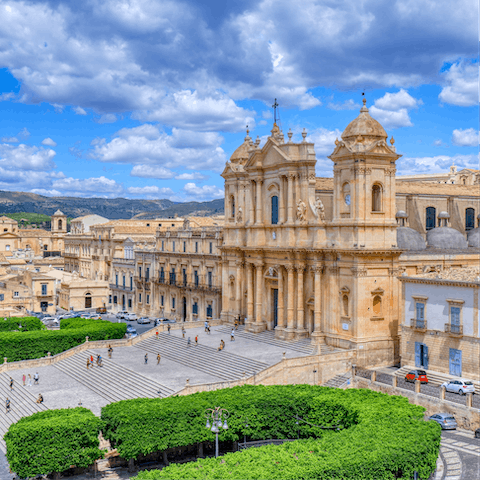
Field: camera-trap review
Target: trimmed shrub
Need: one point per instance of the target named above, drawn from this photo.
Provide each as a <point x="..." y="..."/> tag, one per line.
<point x="53" y="441"/>
<point x="378" y="436"/>
<point x="29" y="324"/>
<point x="36" y="344"/>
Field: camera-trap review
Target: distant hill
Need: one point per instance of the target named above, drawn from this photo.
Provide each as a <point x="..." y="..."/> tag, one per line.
<point x="112" y="208"/>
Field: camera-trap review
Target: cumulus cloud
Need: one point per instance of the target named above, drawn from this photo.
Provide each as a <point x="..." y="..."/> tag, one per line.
<point x="435" y="164"/>
<point x="107" y="118"/>
<point x="465" y="138"/>
<point x="203" y="193"/>
<point x="26" y="157"/>
<point x="461" y="87"/>
<point x="79" y="111"/>
<point x="46" y="192"/>
<point x="150" y="191"/>
<point x="88" y="186"/>
<point x="346" y="105"/>
<point x="48" y="141"/>
<point x="151" y="171"/>
<point x="10" y="139"/>
<point x="391" y="110"/>
<point x="6" y="96"/>
<point x="148" y="145"/>
<point x="192" y="176"/>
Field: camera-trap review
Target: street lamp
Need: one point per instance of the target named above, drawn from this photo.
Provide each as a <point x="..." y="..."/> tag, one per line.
<point x="219" y="420"/>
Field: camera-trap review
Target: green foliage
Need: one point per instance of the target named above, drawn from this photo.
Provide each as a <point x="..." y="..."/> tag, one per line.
<point x="381" y="436"/>
<point x="36" y="344"/>
<point x="29" y="324"/>
<point x="53" y="441"/>
<point x="29" y="217"/>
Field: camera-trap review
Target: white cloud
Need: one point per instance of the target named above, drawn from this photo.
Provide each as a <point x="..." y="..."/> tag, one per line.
<point x="88" y="186"/>
<point x="10" y="139"/>
<point x="147" y="145"/>
<point x="465" y="138"/>
<point x="207" y="192"/>
<point x="79" y="111"/>
<point x="192" y="176"/>
<point x="6" y="96"/>
<point x="346" y="105"/>
<point x="324" y="140"/>
<point x="23" y="133"/>
<point x="461" y="85"/>
<point x="58" y="108"/>
<point x="14" y="157"/>
<point x="150" y="191"/>
<point x="47" y="192"/>
<point x="48" y="141"/>
<point x="107" y="118"/>
<point x="438" y="143"/>
<point x="151" y="171"/>
<point x="435" y="164"/>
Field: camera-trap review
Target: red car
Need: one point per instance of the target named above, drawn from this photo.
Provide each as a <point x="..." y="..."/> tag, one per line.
<point x="416" y="375"/>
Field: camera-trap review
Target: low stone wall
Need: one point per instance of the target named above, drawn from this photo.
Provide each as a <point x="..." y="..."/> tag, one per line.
<point x="123" y="342"/>
<point x="289" y="371"/>
<point x="466" y="417"/>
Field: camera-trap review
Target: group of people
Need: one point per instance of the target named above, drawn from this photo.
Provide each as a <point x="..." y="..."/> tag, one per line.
<point x="24" y="379"/>
<point x="98" y="360"/>
<point x="159" y="357"/>
<point x="8" y="403"/>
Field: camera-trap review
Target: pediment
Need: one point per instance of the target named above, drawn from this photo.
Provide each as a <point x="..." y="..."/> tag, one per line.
<point x="269" y="155"/>
<point x="9" y="235"/>
<point x="380" y="147"/>
<point x="232" y="169"/>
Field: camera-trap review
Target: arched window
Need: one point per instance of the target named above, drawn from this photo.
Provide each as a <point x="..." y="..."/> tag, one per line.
<point x="232" y="206"/>
<point x="376" y="198"/>
<point x="469" y="218"/>
<point x="274" y="210"/>
<point x="377" y="305"/>
<point x="345" y="305"/>
<point x="430" y="218"/>
<point x="346" y="196"/>
<point x="59" y="224"/>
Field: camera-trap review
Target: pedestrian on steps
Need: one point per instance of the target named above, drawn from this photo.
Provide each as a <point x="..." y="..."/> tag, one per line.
<point x="236" y="324"/>
<point x="35" y="378"/>
<point x="110" y="351"/>
<point x="158" y="358"/>
<point x="189" y="343"/>
<point x="29" y="380"/>
<point x="196" y="340"/>
<point x="232" y="335"/>
<point x="183" y="332"/>
<point x="222" y="346"/>
<point x="7" y="405"/>
<point x="168" y="328"/>
<point x="40" y="398"/>
<point x="146" y="358"/>
<point x="11" y="383"/>
<point x="91" y="359"/>
<point x="23" y="379"/>
<point x="88" y="363"/>
<point x="156" y="335"/>
<point x="206" y="326"/>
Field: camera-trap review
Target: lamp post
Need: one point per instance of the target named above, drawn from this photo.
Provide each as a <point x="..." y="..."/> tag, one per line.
<point x="218" y="417"/>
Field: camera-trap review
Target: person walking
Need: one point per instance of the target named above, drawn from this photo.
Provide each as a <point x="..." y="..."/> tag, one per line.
<point x="156" y="335"/>
<point x="189" y="343"/>
<point x="91" y="359"/>
<point x="110" y="350"/>
<point x="146" y="358"/>
<point x="222" y="346"/>
<point x="206" y="326"/>
<point x="168" y="328"/>
<point x="23" y="379"/>
<point x="158" y="358"/>
<point x="196" y="340"/>
<point x="208" y="329"/>
<point x="7" y="405"/>
<point x="29" y="380"/>
<point x="236" y="324"/>
<point x="183" y="332"/>
<point x="88" y="363"/>
<point x="232" y="335"/>
<point x="35" y="378"/>
<point x="100" y="361"/>
<point x="11" y="383"/>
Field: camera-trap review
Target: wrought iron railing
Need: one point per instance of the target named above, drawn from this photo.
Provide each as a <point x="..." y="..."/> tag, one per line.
<point x="454" y="329"/>
<point x="418" y="324"/>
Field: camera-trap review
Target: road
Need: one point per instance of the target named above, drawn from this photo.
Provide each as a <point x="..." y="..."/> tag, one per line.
<point x="460" y="453"/>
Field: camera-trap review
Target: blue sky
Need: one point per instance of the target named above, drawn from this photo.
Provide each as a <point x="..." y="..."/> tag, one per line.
<point x="149" y="98"/>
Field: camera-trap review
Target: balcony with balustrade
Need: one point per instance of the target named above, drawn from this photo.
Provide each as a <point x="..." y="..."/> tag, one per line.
<point x="454" y="329"/>
<point x="420" y="325"/>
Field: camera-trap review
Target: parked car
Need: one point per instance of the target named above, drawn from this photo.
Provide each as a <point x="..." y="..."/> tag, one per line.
<point x="414" y="375"/>
<point x="130" y="329"/>
<point x="143" y="320"/>
<point x="50" y="321"/>
<point x="446" y="420"/>
<point x="121" y="314"/>
<point x="131" y="316"/>
<point x="159" y="321"/>
<point x="460" y="386"/>
<point x="101" y="310"/>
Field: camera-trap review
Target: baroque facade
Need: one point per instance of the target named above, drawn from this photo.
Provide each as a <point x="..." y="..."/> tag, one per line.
<point x="320" y="257"/>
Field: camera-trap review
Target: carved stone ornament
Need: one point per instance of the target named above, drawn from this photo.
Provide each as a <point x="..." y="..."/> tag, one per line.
<point x="319" y="209"/>
<point x="301" y="211"/>
<point x="270" y="271"/>
<point x="231" y="278"/>
<point x="239" y="214"/>
<point x="359" y="272"/>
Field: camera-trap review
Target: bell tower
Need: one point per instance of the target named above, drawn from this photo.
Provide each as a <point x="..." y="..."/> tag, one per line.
<point x="59" y="222"/>
<point x="364" y="186"/>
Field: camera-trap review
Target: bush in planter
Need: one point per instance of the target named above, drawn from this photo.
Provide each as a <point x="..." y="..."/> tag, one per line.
<point x="53" y="441"/>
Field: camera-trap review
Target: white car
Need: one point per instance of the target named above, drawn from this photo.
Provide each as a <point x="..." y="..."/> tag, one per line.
<point x="121" y="314"/>
<point x="143" y="320"/>
<point x="130" y="316"/>
<point x="461" y="386"/>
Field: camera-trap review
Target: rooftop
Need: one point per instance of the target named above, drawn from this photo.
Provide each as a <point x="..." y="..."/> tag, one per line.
<point x="468" y="274"/>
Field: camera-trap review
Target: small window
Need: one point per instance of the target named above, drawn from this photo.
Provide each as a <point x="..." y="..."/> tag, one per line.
<point x="124" y="279"/>
<point x="5" y="229"/>
<point x="147" y="274"/>
<point x="115" y="299"/>
<point x="211" y="247"/>
<point x="345" y="305"/>
<point x="430" y="216"/>
<point x="7" y="248"/>
<point x="195" y="308"/>
<point x="139" y="298"/>
<point x="274" y="202"/>
<point x="184" y="247"/>
<point x="129" y="303"/>
<point x="377" y="305"/>
<point x="173" y="224"/>
<point x="15" y="294"/>
<point x="420" y="310"/>
<point x="148" y="224"/>
<point x="140" y="272"/>
<point x="455" y="316"/>
<point x="209" y="311"/>
<point x="210" y="279"/>
<point x="163" y="245"/>
<point x="131" y="283"/>
<point x="148" y="299"/>
<point x="116" y="280"/>
<point x="159" y="224"/>
<point x="469" y="219"/>
<point x="196" y="247"/>
<point x="173" y="303"/>
<point x="109" y="299"/>
<point x="173" y="246"/>
<point x="44" y="289"/>
<point x="161" y="300"/>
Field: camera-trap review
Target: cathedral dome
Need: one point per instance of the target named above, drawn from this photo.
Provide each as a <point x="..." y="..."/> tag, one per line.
<point x="446" y="237"/>
<point x="240" y="155"/>
<point x="473" y="237"/>
<point x="409" y="239"/>
<point x="365" y="126"/>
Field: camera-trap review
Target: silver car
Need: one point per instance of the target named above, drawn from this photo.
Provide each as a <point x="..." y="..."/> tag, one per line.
<point x="460" y="386"/>
<point x="143" y="320"/>
<point x="446" y="420"/>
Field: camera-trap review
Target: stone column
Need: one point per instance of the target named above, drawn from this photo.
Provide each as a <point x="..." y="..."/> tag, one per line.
<point x="249" y="293"/>
<point x="290" y="331"/>
<point x="280" y="307"/>
<point x="238" y="285"/>
<point x="318" y="335"/>
<point x="281" y="201"/>
<point x="252" y="203"/>
<point x="259" y="324"/>
<point x="290" y="185"/>
<point x="225" y="291"/>
<point x="300" y="331"/>
<point x="258" y="219"/>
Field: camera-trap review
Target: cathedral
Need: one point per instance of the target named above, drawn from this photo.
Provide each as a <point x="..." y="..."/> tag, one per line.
<point x="321" y="257"/>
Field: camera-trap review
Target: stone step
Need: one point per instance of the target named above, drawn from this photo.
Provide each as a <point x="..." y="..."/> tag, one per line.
<point x="338" y="380"/>
<point x="22" y="404"/>
<point x="224" y="365"/>
<point x="112" y="382"/>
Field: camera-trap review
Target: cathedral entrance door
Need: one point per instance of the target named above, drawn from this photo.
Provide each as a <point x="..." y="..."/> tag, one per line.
<point x="184" y="308"/>
<point x="275" y="306"/>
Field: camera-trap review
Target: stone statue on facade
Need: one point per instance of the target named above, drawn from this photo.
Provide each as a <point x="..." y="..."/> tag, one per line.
<point x="319" y="209"/>
<point x="239" y="214"/>
<point x="301" y="210"/>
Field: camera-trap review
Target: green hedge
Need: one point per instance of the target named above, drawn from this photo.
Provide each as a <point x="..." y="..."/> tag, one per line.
<point x="380" y="437"/>
<point x="28" y="324"/>
<point x="53" y="441"/>
<point x="36" y="344"/>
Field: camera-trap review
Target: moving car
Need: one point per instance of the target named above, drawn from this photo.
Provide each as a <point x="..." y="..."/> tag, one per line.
<point x="130" y="329"/>
<point x="131" y="332"/>
<point x="460" y="386"/>
<point x="446" y="420"/>
<point x="414" y="375"/>
<point x="143" y="320"/>
<point x="130" y="316"/>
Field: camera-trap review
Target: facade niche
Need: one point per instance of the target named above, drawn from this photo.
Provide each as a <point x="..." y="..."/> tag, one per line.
<point x="376" y="198"/>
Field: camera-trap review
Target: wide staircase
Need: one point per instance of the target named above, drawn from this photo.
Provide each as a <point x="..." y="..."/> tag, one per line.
<point x="111" y="381"/>
<point x="224" y="365"/>
<point x="22" y="404"/>
<point x="303" y="346"/>
<point x="434" y="378"/>
<point x="338" y="380"/>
